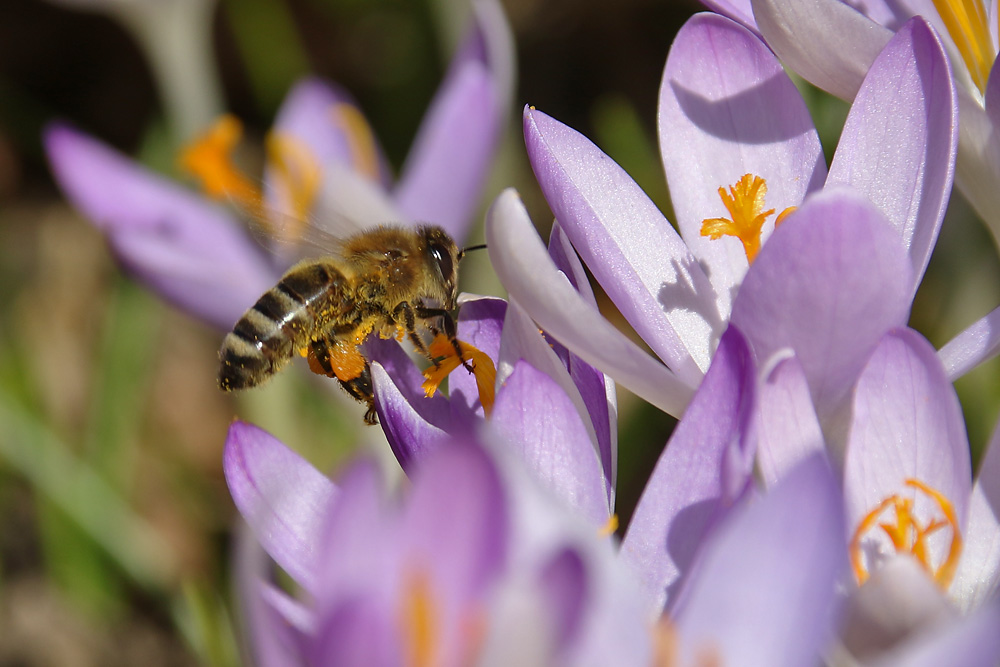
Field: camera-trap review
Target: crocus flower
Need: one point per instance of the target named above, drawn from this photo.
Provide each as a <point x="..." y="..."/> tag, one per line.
<point x="728" y="117"/>
<point x="557" y="413"/>
<point x="473" y="565"/>
<point x="832" y="44"/>
<point x="323" y="161"/>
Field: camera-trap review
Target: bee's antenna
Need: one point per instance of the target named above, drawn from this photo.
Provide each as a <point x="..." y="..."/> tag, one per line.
<point x="481" y="246"/>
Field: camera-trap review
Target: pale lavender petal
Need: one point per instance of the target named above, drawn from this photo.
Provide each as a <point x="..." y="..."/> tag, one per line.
<point x="740" y="11"/>
<point x="359" y="632"/>
<point x="480" y="323"/>
<point x="456" y="528"/>
<point x="787" y="429"/>
<point x="632" y="250"/>
<point x="532" y="279"/>
<point x="978" y="575"/>
<point x="270" y="642"/>
<point x="907" y="424"/>
<point x="564" y="585"/>
<point x="685" y="495"/>
<point x="281" y="496"/>
<point x="827" y="42"/>
<point x="899" y="143"/>
<point x="979" y="343"/>
<point x="185" y="248"/>
<point x="967" y="642"/>
<point x="764" y="589"/>
<point x="597" y="389"/>
<point x="522" y="340"/>
<point x="828" y="284"/>
<point x="544" y="429"/>
<point x="726" y="109"/>
<point x="349" y="202"/>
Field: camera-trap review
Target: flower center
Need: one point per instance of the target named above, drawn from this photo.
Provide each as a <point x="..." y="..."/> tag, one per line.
<point x="443" y="353"/>
<point x="909" y="534"/>
<point x="968" y="28"/>
<point x="745" y="203"/>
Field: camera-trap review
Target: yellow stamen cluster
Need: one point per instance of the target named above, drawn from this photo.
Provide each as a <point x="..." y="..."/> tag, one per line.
<point x="745" y="203"/>
<point x="909" y="535"/>
<point x="447" y="360"/>
<point x="968" y="28"/>
<point x="609" y="528"/>
<point x="296" y="171"/>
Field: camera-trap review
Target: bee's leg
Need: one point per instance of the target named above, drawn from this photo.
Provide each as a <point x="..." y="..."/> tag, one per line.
<point x="448" y="324"/>
<point x="359" y="386"/>
<point x="361" y="389"/>
<point x="405" y="311"/>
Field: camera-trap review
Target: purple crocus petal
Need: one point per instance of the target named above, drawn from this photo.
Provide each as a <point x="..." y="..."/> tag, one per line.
<point x="531" y="278"/>
<point x="443" y="178"/>
<point x="348" y="203"/>
<point x="280" y="495"/>
<point x="456" y="531"/>
<point x="547" y="432"/>
<point x="563" y="583"/>
<point x="359" y="632"/>
<point x="185" y="248"/>
<point x="598" y="390"/>
<point x="978" y="575"/>
<point x="629" y="246"/>
<point x="728" y="109"/>
<point x="685" y="495"/>
<point x="828" y="284"/>
<point x="979" y="343"/>
<point x="740" y="11"/>
<point x="763" y="592"/>
<point x="480" y="323"/>
<point x="787" y="429"/>
<point x="967" y="642"/>
<point x="413" y="423"/>
<point x="899" y="142"/>
<point x="828" y="42"/>
<point x="907" y="424"/>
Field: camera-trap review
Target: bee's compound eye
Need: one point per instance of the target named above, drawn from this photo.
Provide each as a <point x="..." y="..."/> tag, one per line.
<point x="444" y="261"/>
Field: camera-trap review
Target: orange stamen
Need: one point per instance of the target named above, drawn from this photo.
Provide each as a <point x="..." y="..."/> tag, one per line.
<point x="420" y="628"/>
<point x="745" y="203"/>
<point x="609" y="528"/>
<point x="968" y="27"/>
<point x="208" y="158"/>
<point x="297" y="172"/>
<point x="360" y="139"/>
<point x="909" y="535"/>
<point x="443" y="352"/>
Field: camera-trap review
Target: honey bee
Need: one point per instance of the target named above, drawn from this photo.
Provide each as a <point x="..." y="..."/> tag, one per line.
<point x="389" y="280"/>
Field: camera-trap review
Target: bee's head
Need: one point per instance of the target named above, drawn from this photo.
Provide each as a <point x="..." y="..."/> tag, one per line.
<point x="443" y="256"/>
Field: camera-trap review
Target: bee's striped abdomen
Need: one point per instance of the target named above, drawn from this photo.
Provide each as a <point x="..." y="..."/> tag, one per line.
<point x="281" y="321"/>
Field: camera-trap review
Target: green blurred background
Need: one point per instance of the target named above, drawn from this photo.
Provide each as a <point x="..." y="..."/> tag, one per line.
<point x="114" y="516"/>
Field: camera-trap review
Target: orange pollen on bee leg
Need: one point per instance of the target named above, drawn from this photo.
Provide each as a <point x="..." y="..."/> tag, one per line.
<point x="360" y="139"/>
<point x="208" y="158"/>
<point x="745" y="203"/>
<point x="443" y="352"/>
<point x="297" y="172"/>
<point x="909" y="534"/>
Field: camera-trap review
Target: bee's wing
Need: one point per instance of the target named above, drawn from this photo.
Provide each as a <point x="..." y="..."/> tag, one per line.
<point x="345" y="205"/>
